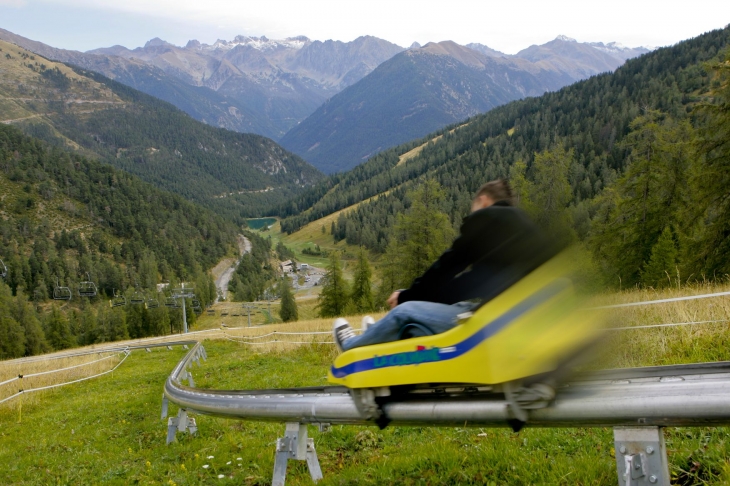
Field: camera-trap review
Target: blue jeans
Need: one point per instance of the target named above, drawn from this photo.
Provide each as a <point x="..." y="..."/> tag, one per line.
<point x="410" y="319"/>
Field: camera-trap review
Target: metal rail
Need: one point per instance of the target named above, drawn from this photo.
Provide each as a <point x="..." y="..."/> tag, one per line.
<point x="684" y="395"/>
<point x="636" y="401"/>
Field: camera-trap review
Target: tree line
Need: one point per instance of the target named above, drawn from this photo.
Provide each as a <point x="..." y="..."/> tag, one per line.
<point x="68" y="219"/>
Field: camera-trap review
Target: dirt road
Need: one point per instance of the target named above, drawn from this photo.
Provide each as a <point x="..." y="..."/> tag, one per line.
<point x="224" y="270"/>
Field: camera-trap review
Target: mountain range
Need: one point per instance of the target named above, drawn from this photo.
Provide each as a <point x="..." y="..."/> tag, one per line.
<point x="590" y="119"/>
<point x="425" y="88"/>
<point x="337" y="103"/>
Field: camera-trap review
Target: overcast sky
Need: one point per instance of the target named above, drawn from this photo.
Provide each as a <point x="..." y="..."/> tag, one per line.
<point x="504" y="25"/>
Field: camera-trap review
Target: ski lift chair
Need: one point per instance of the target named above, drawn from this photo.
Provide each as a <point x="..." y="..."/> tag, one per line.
<point x="172" y="303"/>
<point x="152" y="304"/>
<point x="118" y="300"/>
<point x="137" y="298"/>
<point x="211" y="312"/>
<point x="87" y="288"/>
<point x="61" y="293"/>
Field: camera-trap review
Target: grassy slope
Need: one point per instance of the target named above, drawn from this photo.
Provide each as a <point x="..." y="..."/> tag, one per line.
<point x="109" y="430"/>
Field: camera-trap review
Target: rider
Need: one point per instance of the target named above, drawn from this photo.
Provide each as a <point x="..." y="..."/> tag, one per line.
<point x="497" y="246"/>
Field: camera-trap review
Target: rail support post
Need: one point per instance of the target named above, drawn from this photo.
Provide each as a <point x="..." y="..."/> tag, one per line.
<point x="295" y="445"/>
<point x="641" y="456"/>
<point x="181" y="423"/>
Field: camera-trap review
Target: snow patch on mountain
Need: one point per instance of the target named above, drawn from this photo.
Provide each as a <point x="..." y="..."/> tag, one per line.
<point x="259" y="43"/>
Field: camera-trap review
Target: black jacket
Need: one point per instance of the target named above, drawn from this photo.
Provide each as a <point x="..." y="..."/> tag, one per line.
<point x="497" y="246"/>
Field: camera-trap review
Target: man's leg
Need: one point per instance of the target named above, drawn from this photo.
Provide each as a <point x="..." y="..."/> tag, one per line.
<point x="436" y="317"/>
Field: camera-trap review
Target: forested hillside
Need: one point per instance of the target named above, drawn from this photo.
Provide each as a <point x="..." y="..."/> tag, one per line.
<point x="588" y="132"/>
<point x="65" y="219"/>
<point x="103" y="119"/>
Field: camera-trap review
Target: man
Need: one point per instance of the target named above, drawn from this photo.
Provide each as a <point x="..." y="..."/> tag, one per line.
<point x="497" y="246"/>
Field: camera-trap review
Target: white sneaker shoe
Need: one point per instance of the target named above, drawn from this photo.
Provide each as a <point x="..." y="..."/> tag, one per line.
<point x="367" y="321"/>
<point x="342" y="331"/>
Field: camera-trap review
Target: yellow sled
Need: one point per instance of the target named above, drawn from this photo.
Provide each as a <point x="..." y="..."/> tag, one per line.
<point x="529" y="329"/>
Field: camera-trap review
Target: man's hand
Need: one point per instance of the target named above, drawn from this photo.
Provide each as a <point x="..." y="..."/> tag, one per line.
<point x="393" y="299"/>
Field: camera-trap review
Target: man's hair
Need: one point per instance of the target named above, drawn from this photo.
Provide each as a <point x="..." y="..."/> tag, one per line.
<point x="498" y="190"/>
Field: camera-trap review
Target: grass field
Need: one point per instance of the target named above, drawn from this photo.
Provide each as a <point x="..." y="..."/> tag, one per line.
<point x="109" y="431"/>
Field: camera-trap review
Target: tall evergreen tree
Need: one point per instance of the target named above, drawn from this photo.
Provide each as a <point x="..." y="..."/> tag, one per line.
<point x="58" y="331"/>
<point x="420" y="235"/>
<point x="335" y="293"/>
<point x="362" y="292"/>
<point x="288" y="309"/>
<point x="662" y="265"/>
<point x="651" y="195"/>
<point x="550" y="192"/>
<point x="12" y="339"/>
<point x="711" y="252"/>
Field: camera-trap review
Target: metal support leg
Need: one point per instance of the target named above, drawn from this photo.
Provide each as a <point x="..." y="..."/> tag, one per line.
<point x="164" y="406"/>
<point x="641" y="456"/>
<point x="181" y="423"/>
<point x="295" y="445"/>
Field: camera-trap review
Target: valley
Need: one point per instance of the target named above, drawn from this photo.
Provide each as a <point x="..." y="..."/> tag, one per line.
<point x="281" y="183"/>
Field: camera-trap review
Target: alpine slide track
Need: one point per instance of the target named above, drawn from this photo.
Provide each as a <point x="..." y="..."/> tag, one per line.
<point x="638" y="403"/>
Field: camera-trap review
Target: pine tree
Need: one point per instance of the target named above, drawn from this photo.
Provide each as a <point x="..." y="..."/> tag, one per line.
<point x="12" y="340"/>
<point x="58" y="331"/>
<point x="550" y="193"/>
<point x="335" y="295"/>
<point x="521" y="187"/>
<point x="288" y="309"/>
<point x="362" y="292"/>
<point x="662" y="264"/>
<point x="420" y="235"/>
<point x="651" y="195"/>
<point x="711" y="252"/>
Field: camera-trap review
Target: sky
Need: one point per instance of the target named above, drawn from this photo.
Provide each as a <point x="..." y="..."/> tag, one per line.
<point x="507" y="26"/>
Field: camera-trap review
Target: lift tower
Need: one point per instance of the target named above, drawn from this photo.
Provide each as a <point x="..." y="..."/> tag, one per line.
<point x="183" y="293"/>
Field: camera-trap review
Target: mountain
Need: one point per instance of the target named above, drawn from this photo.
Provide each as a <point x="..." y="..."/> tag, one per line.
<point x="591" y="118"/>
<point x="281" y="81"/>
<point x="201" y="103"/>
<point x="423" y="89"/>
<point x="414" y="93"/>
<point x="578" y="60"/>
<point x="486" y="50"/>
<point x="86" y="112"/>
<point x="619" y="51"/>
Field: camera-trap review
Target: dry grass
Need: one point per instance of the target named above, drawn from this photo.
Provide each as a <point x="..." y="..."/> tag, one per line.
<point x="39" y="374"/>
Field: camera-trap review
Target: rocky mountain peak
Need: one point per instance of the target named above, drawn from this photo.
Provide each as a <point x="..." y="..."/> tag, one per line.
<point x="156" y="42"/>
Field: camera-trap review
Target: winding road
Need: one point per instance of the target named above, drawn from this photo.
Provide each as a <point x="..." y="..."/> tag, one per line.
<point x="224" y="270"/>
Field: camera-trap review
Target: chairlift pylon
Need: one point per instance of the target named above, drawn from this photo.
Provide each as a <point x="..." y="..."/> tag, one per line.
<point x="61" y="293"/>
<point x="118" y="300"/>
<point x="87" y="288"/>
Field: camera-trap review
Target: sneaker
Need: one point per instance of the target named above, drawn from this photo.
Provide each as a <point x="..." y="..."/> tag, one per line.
<point x="342" y="331"/>
<point x="367" y="321"/>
